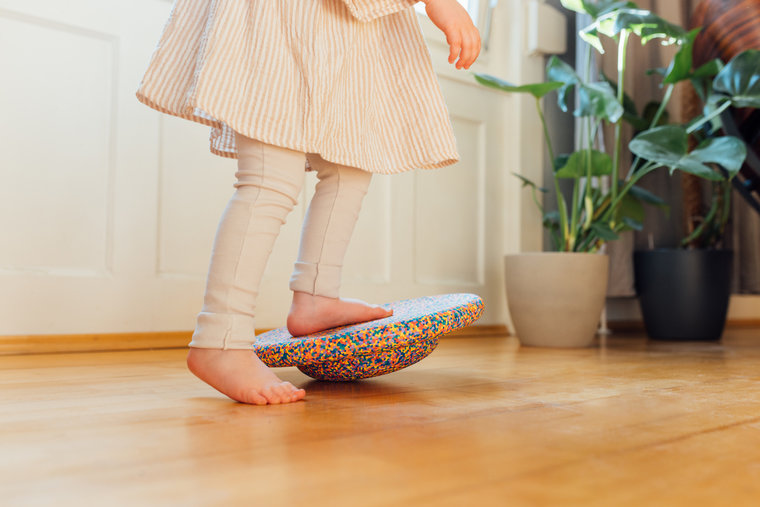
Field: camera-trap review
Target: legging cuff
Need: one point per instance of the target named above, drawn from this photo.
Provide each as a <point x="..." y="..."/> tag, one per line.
<point x="316" y="279"/>
<point x="223" y="331"/>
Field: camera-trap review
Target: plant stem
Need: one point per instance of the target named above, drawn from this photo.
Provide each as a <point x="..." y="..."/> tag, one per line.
<point x="655" y="120"/>
<point x="588" y="244"/>
<point x="709" y="117"/>
<point x="546" y="132"/>
<point x="578" y="198"/>
<point x="535" y="200"/>
<point x="622" y="44"/>
<point x="633" y="168"/>
<point x="630" y="183"/>
<point x="560" y="200"/>
<point x="707" y="220"/>
<point x="574" y="213"/>
<point x="663" y="105"/>
<point x="590" y="135"/>
<point x="726" y="206"/>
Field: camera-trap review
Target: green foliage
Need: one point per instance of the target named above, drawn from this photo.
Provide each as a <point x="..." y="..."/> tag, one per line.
<point x="593" y="216"/>
<point x="595" y="8"/>
<point x="527" y="183"/>
<point x="595" y="99"/>
<point x="598" y="100"/>
<point x="647" y="197"/>
<point x="559" y="71"/>
<point x="669" y="146"/>
<point x="739" y="80"/>
<point x="680" y="67"/>
<point x="643" y="23"/>
<point x="577" y="165"/>
<point x="631" y="212"/>
<point x="629" y="19"/>
<point x="538" y="90"/>
<point x="604" y="231"/>
<point x="701" y="78"/>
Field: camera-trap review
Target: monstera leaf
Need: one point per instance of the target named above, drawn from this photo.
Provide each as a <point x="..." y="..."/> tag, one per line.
<point x="630" y="113"/>
<point x="646" y="25"/>
<point x="668" y="146"/>
<point x="595" y="8"/>
<point x="631" y="213"/>
<point x="645" y="196"/>
<point x="595" y="99"/>
<point x="538" y="90"/>
<point x="701" y="78"/>
<point x="728" y="151"/>
<point x="680" y="67"/>
<point x="590" y="34"/>
<point x="603" y="231"/>
<point x="709" y="69"/>
<point x="740" y="79"/>
<point x="643" y="23"/>
<point x="557" y="70"/>
<point x="576" y="165"/>
<point x="598" y="99"/>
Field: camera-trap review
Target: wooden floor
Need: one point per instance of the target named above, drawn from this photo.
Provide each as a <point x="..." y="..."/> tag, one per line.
<point x="479" y="422"/>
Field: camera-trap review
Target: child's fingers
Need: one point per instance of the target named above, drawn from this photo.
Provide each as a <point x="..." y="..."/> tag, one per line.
<point x="455" y="45"/>
<point x="477" y="45"/>
<point x="468" y="50"/>
<point x="471" y="49"/>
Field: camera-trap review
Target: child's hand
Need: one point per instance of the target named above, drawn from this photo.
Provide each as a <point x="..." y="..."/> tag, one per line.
<point x="455" y="23"/>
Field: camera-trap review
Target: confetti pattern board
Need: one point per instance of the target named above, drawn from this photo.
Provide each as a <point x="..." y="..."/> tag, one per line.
<point x="372" y="348"/>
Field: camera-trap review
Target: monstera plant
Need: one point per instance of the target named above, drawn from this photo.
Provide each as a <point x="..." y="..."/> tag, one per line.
<point x="738" y="85"/>
<point x="597" y="212"/>
<point x="684" y="292"/>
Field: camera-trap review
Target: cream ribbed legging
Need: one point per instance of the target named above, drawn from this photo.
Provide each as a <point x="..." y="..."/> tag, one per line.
<point x="269" y="180"/>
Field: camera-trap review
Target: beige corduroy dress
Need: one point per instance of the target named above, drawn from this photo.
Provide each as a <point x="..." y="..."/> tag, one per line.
<point x="351" y="80"/>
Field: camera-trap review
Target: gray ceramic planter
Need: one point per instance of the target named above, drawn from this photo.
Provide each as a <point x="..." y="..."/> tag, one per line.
<point x="556" y="299"/>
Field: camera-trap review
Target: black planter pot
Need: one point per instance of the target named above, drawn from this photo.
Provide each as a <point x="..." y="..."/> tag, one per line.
<point x="683" y="294"/>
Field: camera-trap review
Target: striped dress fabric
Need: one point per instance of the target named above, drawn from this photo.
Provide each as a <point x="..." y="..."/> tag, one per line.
<point x="351" y="80"/>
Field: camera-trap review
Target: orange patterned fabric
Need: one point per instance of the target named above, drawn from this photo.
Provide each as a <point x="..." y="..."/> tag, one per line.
<point x="351" y="80"/>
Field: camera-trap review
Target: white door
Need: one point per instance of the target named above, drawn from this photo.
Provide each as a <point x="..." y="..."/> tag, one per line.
<point x="108" y="209"/>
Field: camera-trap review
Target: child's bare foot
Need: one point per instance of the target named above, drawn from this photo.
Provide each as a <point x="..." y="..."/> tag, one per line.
<point x="241" y="375"/>
<point x="309" y="314"/>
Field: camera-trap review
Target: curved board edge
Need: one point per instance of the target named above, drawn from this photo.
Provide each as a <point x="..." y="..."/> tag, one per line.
<point x="370" y="338"/>
<point x="362" y="367"/>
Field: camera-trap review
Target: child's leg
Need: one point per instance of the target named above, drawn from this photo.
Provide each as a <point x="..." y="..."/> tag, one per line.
<point x="327" y="230"/>
<point x="269" y="180"/>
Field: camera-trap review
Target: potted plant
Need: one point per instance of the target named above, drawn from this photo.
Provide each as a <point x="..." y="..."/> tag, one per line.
<point x="684" y="292"/>
<point x="556" y="298"/>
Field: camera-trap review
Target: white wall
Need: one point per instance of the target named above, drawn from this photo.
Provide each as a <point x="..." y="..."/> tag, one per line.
<point x="108" y="209"/>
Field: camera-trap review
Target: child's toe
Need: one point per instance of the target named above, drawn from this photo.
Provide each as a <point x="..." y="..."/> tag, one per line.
<point x="284" y="393"/>
<point x="253" y="397"/>
<point x="297" y="394"/>
<point x="271" y="394"/>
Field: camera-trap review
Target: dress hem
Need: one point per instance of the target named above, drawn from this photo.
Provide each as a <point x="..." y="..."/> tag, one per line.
<point x="453" y="157"/>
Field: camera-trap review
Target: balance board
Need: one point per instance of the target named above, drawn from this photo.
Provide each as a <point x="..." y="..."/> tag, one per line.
<point x="372" y="348"/>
